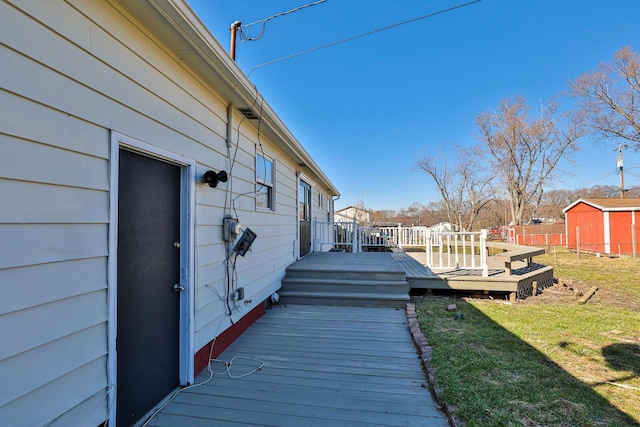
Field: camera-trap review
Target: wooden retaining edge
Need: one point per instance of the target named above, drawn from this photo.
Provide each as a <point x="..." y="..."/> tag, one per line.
<point x="425" y="351"/>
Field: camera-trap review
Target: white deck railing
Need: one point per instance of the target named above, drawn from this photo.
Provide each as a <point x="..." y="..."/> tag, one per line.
<point x="336" y="235"/>
<point x="405" y="236"/>
<point x="445" y="250"/>
<point x="464" y="250"/>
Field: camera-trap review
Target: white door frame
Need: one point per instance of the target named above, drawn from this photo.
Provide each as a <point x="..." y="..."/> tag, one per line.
<point x="187" y="249"/>
<point x="302" y="177"/>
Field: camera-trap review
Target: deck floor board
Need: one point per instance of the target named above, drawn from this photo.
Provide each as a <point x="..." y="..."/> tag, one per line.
<point x="411" y="266"/>
<point x="323" y="366"/>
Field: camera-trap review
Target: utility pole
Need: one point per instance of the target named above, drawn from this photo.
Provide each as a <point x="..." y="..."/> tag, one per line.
<point x="234" y="30"/>
<point x="620" y="164"/>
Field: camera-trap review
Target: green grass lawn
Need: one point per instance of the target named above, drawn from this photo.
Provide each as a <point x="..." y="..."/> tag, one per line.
<point x="545" y="361"/>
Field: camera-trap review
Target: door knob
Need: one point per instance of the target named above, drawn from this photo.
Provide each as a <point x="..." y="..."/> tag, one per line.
<point x="178" y="287"/>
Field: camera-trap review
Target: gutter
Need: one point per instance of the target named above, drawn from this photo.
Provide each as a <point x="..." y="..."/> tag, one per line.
<point x="197" y="45"/>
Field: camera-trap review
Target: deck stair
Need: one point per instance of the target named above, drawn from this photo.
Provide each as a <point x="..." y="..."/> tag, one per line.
<point x="346" y="279"/>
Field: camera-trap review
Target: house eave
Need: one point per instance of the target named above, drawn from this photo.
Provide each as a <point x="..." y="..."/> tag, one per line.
<point x="178" y="27"/>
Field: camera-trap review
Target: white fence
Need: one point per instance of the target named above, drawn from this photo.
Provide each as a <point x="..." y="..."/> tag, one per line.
<point x="445" y="250"/>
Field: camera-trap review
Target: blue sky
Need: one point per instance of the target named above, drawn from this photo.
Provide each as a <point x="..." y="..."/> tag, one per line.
<point x="367" y="109"/>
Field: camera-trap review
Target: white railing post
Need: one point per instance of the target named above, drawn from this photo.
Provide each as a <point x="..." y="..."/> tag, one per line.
<point x="354" y="236"/>
<point x="473" y="251"/>
<point x="464" y="251"/>
<point x="429" y="250"/>
<point x="457" y="257"/>
<point x="483" y="253"/>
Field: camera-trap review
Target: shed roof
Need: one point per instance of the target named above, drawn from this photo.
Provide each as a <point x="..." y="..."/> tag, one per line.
<point x="607" y="205"/>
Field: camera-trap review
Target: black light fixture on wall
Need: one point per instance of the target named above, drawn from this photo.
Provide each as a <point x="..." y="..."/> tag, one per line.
<point x="212" y="178"/>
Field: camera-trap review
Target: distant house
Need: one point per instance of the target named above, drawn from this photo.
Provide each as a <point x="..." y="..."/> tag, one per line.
<point x="117" y="263"/>
<point x="347" y="214"/>
<point x="441" y="227"/>
<point x="606" y="226"/>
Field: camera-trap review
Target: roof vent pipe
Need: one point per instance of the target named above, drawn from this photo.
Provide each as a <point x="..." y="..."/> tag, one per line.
<point x="234" y="30"/>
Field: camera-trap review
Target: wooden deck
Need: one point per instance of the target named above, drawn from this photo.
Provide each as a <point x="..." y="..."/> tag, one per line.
<point x="323" y="366"/>
<point x="518" y="283"/>
<point x="411" y="264"/>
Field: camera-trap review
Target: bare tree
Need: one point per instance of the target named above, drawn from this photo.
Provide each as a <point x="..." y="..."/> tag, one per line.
<point x="553" y="202"/>
<point x="465" y="189"/>
<point x="476" y="180"/>
<point x="526" y="150"/>
<point x="609" y="98"/>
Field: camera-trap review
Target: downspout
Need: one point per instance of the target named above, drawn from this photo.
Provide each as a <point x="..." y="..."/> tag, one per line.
<point x="333" y="207"/>
<point x="229" y="125"/>
<point x="229" y="144"/>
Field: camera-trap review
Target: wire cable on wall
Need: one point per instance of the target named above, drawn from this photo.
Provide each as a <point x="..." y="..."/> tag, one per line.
<point x="230" y="210"/>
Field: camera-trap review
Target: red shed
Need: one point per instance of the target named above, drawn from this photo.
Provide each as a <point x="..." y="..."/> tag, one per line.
<point x="606" y="226"/>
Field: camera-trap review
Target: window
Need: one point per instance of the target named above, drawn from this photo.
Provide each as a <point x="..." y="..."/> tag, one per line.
<point x="264" y="182"/>
<point x="320" y="201"/>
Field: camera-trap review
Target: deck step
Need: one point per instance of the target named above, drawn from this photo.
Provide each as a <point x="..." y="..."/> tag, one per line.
<point x="357" y="273"/>
<point x="352" y="280"/>
<point x="351" y="299"/>
<point x="343" y="285"/>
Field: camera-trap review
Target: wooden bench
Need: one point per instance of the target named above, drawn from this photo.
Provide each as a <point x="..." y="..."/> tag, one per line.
<point x="517" y="253"/>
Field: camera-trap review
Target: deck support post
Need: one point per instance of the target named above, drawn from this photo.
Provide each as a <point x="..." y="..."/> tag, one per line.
<point x="507" y="268"/>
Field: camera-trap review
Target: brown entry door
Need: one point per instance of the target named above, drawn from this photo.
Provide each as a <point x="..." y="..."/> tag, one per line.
<point x="304" y="198"/>
<point x="148" y="307"/>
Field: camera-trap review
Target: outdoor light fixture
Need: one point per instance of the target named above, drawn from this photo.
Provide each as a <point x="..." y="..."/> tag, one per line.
<point x="212" y="178"/>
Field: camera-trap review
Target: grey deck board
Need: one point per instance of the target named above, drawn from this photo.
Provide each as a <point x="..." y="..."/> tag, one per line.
<point x="336" y="261"/>
<point x="299" y="396"/>
<point x="412" y="267"/>
<point x="324" y="366"/>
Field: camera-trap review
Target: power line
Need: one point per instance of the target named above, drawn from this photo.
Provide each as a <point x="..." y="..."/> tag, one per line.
<point x="265" y="20"/>
<point x="295" y="9"/>
<point x="304" y="52"/>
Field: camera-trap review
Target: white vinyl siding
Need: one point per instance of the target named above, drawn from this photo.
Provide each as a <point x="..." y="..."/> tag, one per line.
<point x="72" y="72"/>
<point x="54" y="211"/>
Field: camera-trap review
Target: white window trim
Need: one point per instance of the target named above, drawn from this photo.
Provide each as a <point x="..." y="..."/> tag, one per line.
<point x="258" y="183"/>
<point x="187" y="257"/>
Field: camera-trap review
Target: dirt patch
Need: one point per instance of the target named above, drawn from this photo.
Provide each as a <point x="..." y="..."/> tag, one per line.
<point x="569" y="290"/>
